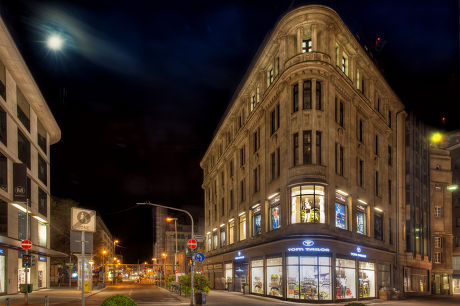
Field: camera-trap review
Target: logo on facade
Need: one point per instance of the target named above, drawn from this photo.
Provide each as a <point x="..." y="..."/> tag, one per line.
<point x="308" y="243"/>
<point x="358" y="249"/>
<point x="239" y="256"/>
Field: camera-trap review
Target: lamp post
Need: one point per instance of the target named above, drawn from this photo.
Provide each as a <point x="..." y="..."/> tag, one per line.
<point x="114" y="246"/>
<point x="192" y="297"/>
<point x="175" y="232"/>
<point x="164" y="255"/>
<point x="103" y="266"/>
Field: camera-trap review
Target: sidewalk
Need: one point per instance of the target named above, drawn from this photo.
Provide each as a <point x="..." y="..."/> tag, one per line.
<point x="55" y="296"/>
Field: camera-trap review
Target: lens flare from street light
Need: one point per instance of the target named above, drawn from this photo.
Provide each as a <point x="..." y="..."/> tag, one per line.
<point x="436" y="137"/>
<point x="55" y="42"/>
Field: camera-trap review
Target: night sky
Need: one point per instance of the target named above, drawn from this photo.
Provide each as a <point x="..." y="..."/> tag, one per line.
<point x="140" y="87"/>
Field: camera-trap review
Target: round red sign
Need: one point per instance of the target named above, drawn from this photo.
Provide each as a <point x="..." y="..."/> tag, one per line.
<point x="191" y="244"/>
<point x="26" y="244"/>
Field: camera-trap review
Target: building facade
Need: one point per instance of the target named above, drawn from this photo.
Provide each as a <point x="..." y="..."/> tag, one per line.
<point x="301" y="177"/>
<point x="441" y="221"/>
<point x="27" y="129"/>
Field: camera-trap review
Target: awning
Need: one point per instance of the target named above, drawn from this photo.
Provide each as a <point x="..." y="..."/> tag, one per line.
<point x="11" y="243"/>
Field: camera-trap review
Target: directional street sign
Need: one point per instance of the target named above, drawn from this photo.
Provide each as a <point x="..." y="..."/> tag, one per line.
<point x="26" y="244"/>
<point x="199" y="257"/>
<point x="192" y="244"/>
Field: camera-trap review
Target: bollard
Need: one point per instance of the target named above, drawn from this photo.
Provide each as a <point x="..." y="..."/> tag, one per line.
<point x="47" y="300"/>
<point x="7" y="302"/>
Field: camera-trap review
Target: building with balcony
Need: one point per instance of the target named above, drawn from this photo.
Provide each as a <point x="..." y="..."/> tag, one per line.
<point x="27" y="129"/>
<point x="301" y="179"/>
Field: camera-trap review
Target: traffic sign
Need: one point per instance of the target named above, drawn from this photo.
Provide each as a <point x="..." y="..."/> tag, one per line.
<point x="83" y="220"/>
<point x="199" y="257"/>
<point x="26" y="244"/>
<point x="192" y="244"/>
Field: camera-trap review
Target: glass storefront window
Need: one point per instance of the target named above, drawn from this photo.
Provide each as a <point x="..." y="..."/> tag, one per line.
<point x="228" y="274"/>
<point x="214" y="240"/>
<point x="42" y="234"/>
<point x="257" y="276"/>
<point x="231" y="232"/>
<point x="415" y="280"/>
<point x="366" y="279"/>
<point x="257" y="221"/>
<point x="309" y="277"/>
<point x="307" y="204"/>
<point x="243" y="227"/>
<point x="384" y="275"/>
<point x="2" y="274"/>
<point x="345" y="271"/>
<point x="275" y="276"/>
<point x="222" y="237"/>
<point x="275" y="212"/>
<point x="361" y="220"/>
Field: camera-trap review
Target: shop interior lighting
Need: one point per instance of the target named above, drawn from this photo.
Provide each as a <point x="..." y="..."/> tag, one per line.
<point x="222" y="225"/>
<point x="21" y="208"/>
<point x="341" y="192"/>
<point x="231" y="220"/>
<point x="378" y="209"/>
<point x="208" y="233"/>
<point x="214" y="229"/>
<point x="452" y="187"/>
<point x="273" y="195"/>
<point x="362" y="202"/>
<point x="40" y="219"/>
<point x="258" y="204"/>
<point x="241" y="213"/>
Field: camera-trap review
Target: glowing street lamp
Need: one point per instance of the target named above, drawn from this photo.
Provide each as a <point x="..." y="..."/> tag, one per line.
<point x="55" y="42"/>
<point x="436" y="138"/>
<point x="104" y="252"/>
<point x="175" y="232"/>
<point x="164" y="255"/>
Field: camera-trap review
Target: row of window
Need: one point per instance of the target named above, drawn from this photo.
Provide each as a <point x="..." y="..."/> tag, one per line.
<point x="307" y="206"/>
<point x="23" y="234"/>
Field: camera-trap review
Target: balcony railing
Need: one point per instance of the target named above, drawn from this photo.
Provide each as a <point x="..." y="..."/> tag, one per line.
<point x="308" y="57"/>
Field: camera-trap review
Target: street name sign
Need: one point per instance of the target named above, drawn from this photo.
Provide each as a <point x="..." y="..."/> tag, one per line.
<point x="83" y="220"/>
<point x="192" y="244"/>
<point x="26" y="244"/>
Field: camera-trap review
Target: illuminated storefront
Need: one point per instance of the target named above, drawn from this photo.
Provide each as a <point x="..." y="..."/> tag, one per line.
<point x="2" y="271"/>
<point x="315" y="270"/>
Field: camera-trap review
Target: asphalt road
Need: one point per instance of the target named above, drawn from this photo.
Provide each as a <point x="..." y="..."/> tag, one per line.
<point x="145" y="295"/>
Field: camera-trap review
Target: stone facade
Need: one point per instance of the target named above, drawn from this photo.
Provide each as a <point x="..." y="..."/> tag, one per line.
<point x="441" y="221"/>
<point x="307" y="149"/>
<point x="28" y="128"/>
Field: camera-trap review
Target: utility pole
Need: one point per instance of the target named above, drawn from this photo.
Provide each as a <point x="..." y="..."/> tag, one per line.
<point x="26" y="296"/>
<point x="192" y="291"/>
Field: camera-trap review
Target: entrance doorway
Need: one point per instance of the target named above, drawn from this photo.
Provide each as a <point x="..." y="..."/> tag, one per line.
<point x="241" y="275"/>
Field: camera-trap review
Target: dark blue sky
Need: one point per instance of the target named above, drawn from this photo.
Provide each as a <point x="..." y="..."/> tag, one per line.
<point x="147" y="83"/>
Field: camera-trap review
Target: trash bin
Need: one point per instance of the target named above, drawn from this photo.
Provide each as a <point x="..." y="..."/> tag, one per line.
<point x="200" y="298"/>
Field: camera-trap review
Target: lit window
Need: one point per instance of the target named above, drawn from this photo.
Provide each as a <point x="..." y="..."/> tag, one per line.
<point x="222" y="237"/>
<point x="275" y="212"/>
<point x="209" y="242"/>
<point x="214" y="240"/>
<point x="243" y="227"/>
<point x="42" y="234"/>
<point x="345" y="64"/>
<point x="270" y="76"/>
<point x="306" y="45"/>
<point x="361" y="220"/>
<point x="231" y="232"/>
<point x="307" y="204"/>
<point x="437" y="211"/>
<point x="437" y="242"/>
<point x="257" y="221"/>
<point x="341" y="211"/>
<point x="437" y="257"/>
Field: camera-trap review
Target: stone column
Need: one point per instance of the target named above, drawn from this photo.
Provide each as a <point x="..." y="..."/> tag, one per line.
<point x="299" y="40"/>
<point x="314" y="37"/>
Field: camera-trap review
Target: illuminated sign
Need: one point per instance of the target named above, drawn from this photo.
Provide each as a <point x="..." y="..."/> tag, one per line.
<point x="41" y="258"/>
<point x="239" y="257"/>
<point x="2" y="251"/>
<point x="358" y="253"/>
<point x="308" y="243"/>
<point x="315" y="249"/>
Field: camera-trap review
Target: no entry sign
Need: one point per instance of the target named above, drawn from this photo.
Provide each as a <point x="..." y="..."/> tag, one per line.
<point x="191" y="244"/>
<point x="26" y="244"/>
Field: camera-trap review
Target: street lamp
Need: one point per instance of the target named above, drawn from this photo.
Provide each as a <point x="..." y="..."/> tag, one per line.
<point x="114" y="245"/>
<point x="164" y="255"/>
<point x="175" y="231"/>
<point x="55" y="42"/>
<point x="192" y="292"/>
<point x="104" y="252"/>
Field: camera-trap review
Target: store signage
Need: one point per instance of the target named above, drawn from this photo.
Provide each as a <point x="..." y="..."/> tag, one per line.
<point x="42" y="258"/>
<point x="358" y="253"/>
<point x="256" y="210"/>
<point x="340" y="198"/>
<point x="239" y="257"/>
<point x="2" y="251"/>
<point x="309" y="247"/>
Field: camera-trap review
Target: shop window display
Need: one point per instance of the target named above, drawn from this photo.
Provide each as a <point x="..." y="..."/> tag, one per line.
<point x="361" y="220"/>
<point x="307" y="204"/>
<point x="275" y="276"/>
<point x="345" y="271"/>
<point x="384" y="275"/>
<point x="214" y="240"/>
<point x="257" y="276"/>
<point x="366" y="279"/>
<point x="309" y="277"/>
<point x="228" y="275"/>
<point x="275" y="212"/>
<point x="341" y="211"/>
<point x="257" y="219"/>
<point x="2" y="274"/>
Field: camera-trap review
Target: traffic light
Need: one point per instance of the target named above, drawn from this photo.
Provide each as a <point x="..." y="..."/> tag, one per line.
<point x="26" y="261"/>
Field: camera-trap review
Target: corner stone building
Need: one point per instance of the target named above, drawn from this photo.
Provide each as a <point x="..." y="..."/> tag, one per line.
<point x="301" y="177"/>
